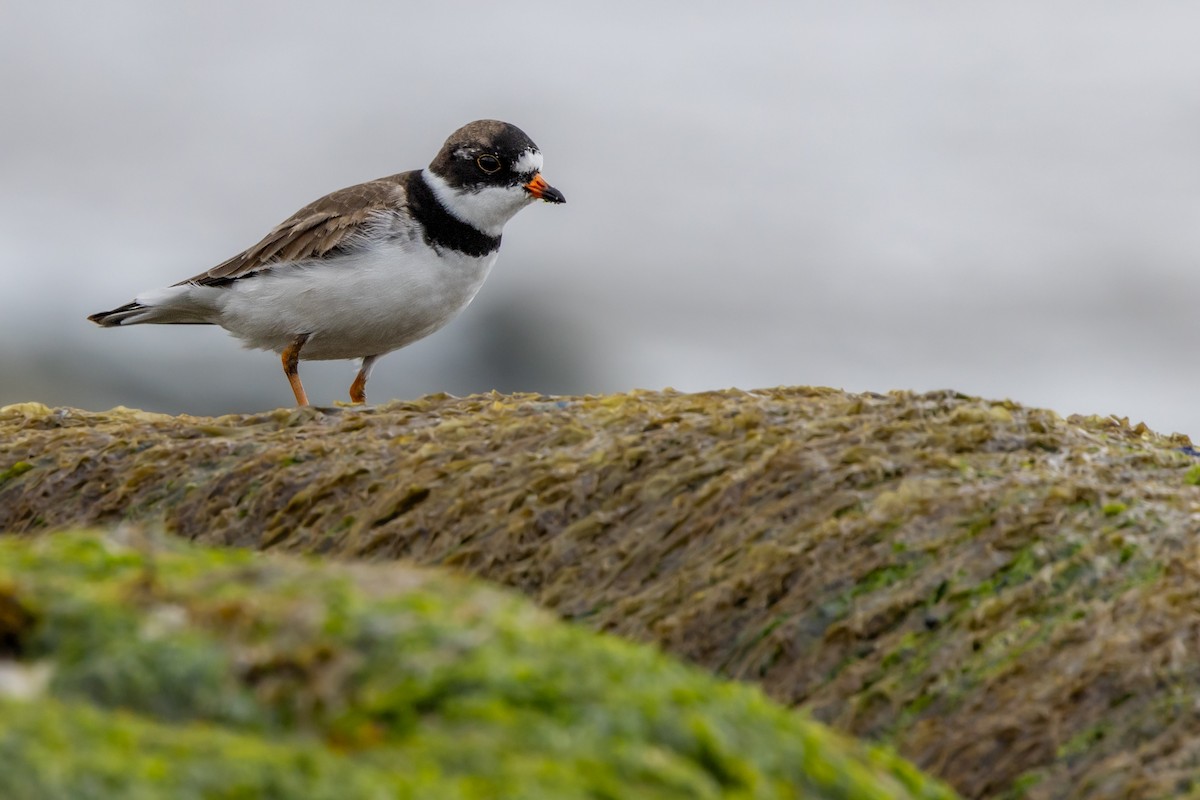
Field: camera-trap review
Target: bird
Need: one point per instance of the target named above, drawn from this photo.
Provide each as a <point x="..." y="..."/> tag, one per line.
<point x="367" y="269"/>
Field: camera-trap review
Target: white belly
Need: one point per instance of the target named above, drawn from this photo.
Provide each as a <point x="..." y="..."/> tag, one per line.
<point x="363" y="304"/>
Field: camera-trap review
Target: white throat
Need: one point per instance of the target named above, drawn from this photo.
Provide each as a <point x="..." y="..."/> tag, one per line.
<point x="484" y="209"/>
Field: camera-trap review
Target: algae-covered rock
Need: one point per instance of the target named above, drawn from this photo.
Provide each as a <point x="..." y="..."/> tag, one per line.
<point x="1008" y="597"/>
<point x="142" y="668"/>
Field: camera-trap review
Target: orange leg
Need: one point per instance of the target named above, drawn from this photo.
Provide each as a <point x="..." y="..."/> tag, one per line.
<point x="358" y="389"/>
<point x="291" y="364"/>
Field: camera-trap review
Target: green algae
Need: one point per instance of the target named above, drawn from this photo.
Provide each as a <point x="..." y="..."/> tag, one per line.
<point x="173" y="671"/>
<point x="976" y="583"/>
<point x="19" y="468"/>
<point x="53" y="749"/>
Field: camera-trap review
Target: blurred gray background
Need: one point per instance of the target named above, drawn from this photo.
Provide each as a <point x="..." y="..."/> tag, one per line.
<point x="1000" y="198"/>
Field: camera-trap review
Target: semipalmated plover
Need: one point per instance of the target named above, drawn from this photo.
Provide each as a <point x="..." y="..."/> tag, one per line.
<point x="367" y="269"/>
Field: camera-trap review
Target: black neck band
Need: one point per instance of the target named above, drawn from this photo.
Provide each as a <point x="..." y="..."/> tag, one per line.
<point x="443" y="229"/>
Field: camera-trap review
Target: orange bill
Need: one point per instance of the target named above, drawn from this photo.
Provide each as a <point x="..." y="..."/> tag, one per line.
<point x="544" y="191"/>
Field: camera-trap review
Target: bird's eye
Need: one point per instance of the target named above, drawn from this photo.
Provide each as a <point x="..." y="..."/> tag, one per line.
<point x="488" y="164"/>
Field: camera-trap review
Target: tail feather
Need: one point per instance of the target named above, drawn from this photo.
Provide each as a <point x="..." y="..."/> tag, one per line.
<point x="118" y="316"/>
<point x="174" y="305"/>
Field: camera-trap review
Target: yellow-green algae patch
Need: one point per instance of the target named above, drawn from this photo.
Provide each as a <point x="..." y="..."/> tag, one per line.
<point x="983" y="585"/>
<point x="173" y="671"/>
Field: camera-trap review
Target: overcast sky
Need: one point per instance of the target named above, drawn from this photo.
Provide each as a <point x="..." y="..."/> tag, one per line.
<point x="1002" y="199"/>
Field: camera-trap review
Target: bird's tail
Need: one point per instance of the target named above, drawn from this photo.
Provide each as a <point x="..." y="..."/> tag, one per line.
<point x="174" y="305"/>
<point x="124" y="315"/>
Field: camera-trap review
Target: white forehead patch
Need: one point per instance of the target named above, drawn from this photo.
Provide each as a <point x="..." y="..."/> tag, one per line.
<point x="529" y="161"/>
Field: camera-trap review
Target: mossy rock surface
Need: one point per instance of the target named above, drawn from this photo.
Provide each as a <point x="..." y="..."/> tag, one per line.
<point x="1008" y="597"/>
<point x="136" y="667"/>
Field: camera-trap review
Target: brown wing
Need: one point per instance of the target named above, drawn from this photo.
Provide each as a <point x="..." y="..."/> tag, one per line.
<point x="313" y="231"/>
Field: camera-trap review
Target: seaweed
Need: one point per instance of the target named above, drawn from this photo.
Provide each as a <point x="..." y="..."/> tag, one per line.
<point x="152" y="668"/>
<point x="972" y="582"/>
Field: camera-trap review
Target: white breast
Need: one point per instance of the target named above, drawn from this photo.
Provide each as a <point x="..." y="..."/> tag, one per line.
<point x="368" y="302"/>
